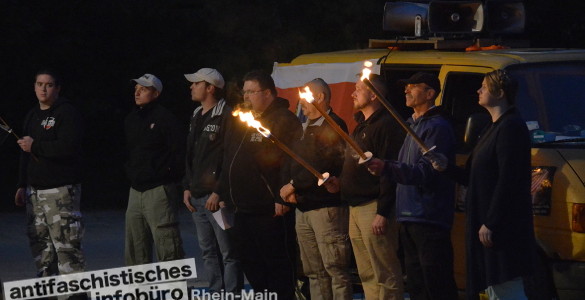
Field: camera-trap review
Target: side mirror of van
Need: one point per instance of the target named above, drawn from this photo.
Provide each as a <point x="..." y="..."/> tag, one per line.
<point x="476" y="123"/>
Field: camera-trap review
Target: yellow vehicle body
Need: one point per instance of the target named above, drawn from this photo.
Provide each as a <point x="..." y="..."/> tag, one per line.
<point x="563" y="246"/>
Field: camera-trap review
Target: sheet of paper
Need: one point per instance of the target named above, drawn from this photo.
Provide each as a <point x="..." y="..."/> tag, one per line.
<point x="224" y="218"/>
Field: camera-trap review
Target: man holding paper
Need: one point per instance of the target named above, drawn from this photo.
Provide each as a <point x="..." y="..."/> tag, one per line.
<point x="203" y="166"/>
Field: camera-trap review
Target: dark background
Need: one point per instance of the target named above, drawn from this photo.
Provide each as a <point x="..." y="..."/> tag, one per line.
<point x="100" y="45"/>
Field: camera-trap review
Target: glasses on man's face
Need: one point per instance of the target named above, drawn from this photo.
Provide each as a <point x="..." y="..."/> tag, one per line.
<point x="249" y="93"/>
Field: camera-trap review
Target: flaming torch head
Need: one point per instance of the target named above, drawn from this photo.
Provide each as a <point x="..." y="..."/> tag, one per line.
<point x="307" y="95"/>
<point x="366" y="71"/>
<point x="248" y="118"/>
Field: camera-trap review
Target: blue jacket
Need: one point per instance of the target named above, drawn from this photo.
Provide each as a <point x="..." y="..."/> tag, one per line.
<point x="424" y="195"/>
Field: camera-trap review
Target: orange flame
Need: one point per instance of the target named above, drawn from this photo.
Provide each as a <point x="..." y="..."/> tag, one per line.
<point x="308" y="95"/>
<point x="366" y="71"/>
<point x="248" y="118"/>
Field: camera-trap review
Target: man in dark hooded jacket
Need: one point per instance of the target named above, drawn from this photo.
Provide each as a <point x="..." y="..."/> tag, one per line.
<point x="50" y="179"/>
<point x="250" y="181"/>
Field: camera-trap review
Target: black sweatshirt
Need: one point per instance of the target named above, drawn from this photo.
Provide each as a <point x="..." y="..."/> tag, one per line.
<point x="323" y="148"/>
<point x="381" y="135"/>
<point x="155" y="147"/>
<point x="57" y="135"/>
<point x="251" y="176"/>
<point x="205" y="149"/>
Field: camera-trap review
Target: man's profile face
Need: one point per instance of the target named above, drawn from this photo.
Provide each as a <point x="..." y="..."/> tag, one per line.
<point x="361" y="96"/>
<point x="144" y="94"/>
<point x="198" y="91"/>
<point x="46" y="89"/>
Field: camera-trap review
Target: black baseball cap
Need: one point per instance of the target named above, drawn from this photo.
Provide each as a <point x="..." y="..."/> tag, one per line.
<point x="426" y="78"/>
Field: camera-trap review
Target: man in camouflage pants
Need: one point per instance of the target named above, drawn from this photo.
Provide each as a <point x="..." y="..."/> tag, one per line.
<point x="50" y="169"/>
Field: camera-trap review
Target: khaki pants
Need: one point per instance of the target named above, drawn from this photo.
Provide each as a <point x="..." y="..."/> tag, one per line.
<point x="325" y="251"/>
<point x="151" y="218"/>
<point x="375" y="255"/>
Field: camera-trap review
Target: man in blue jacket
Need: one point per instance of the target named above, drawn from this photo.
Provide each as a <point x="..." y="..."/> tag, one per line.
<point x="424" y="197"/>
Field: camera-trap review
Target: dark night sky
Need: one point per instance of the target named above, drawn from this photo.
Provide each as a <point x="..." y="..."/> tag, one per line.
<point x="100" y="45"/>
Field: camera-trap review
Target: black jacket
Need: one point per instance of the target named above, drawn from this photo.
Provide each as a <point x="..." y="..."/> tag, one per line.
<point x="323" y="149"/>
<point x="155" y="147"/>
<point x="381" y="135"/>
<point x="205" y="149"/>
<point x="57" y="133"/>
<point x="251" y="176"/>
<point x="498" y="175"/>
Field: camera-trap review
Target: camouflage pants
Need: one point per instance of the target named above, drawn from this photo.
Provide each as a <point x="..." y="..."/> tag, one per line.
<point x="55" y="229"/>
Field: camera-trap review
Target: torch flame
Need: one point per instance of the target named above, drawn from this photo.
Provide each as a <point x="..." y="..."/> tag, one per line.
<point x="308" y="95"/>
<point x="366" y="71"/>
<point x="248" y="118"/>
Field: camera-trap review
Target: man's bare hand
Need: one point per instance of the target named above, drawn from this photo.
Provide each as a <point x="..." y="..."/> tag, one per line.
<point x="25" y="143"/>
<point x="186" y="200"/>
<point x="485" y="236"/>
<point x="280" y="209"/>
<point x="376" y="166"/>
<point x="212" y="203"/>
<point x="287" y="193"/>
<point x="20" y="197"/>
<point x="332" y="185"/>
<point x="379" y="225"/>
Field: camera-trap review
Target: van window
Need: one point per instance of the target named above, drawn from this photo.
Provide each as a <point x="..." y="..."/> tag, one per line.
<point x="460" y="100"/>
<point x="553" y="94"/>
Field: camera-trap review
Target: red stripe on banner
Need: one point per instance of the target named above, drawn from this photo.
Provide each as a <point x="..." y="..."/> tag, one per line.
<point x="341" y="100"/>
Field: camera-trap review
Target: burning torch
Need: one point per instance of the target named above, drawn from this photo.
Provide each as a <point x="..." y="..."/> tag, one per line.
<point x="365" y="78"/>
<point x="364" y="156"/>
<point x="249" y="119"/>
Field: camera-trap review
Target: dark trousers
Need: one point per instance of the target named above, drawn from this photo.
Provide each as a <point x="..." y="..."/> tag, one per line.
<point x="428" y="260"/>
<point x="266" y="246"/>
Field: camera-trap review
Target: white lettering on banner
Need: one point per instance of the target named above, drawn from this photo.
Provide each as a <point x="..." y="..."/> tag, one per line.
<point x="223" y="295"/>
<point x="161" y="291"/>
<point x="116" y="278"/>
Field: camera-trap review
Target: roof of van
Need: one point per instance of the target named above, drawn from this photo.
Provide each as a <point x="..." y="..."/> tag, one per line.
<point x="491" y="58"/>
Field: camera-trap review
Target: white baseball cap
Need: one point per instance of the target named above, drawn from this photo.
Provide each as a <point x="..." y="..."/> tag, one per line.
<point x="150" y="80"/>
<point x="209" y="75"/>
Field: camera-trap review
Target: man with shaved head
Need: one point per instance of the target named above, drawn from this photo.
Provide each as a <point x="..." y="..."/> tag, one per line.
<point x="321" y="217"/>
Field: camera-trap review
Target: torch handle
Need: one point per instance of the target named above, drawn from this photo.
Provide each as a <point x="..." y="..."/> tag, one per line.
<point x="299" y="159"/>
<point x="340" y="131"/>
<point x="16" y="136"/>
<point x="395" y="114"/>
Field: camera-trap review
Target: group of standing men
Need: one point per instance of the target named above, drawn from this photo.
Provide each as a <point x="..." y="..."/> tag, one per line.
<point x="275" y="200"/>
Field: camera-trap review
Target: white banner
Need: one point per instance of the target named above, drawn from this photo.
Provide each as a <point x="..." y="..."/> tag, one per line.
<point x="295" y="76"/>
<point x="116" y="278"/>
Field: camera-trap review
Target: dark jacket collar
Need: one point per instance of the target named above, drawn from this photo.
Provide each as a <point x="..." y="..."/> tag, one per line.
<point x="147" y="107"/>
<point x="276" y="105"/>
<point x="360" y="118"/>
<point x="60" y="101"/>
<point x="433" y="112"/>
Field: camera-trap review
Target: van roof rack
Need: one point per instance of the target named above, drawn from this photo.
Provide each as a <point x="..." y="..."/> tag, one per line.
<point x="440" y="43"/>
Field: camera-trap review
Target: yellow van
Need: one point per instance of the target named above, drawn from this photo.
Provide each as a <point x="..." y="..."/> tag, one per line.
<point x="551" y="99"/>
